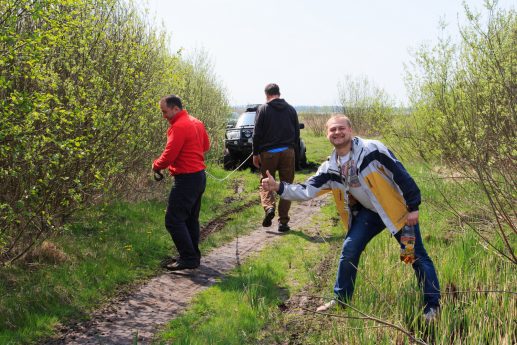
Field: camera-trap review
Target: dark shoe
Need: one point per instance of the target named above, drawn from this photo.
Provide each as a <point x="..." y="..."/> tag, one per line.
<point x="283" y="227"/>
<point x="268" y="217"/>
<point x="167" y="261"/>
<point x="180" y="265"/>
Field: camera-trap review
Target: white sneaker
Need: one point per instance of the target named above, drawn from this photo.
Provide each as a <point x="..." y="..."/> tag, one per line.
<point x="327" y="306"/>
<point x="431" y="315"/>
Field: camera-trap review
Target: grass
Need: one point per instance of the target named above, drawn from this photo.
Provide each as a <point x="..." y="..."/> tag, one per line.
<point x="478" y="301"/>
<point x="318" y="148"/>
<point x="112" y="247"/>
<point x="105" y="250"/>
<point x="237" y="309"/>
<point x="387" y="289"/>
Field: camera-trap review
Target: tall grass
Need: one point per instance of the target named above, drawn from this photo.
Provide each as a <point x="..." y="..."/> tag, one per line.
<point x="315" y="123"/>
<point x="478" y="288"/>
<point x="102" y="251"/>
<point x="479" y="298"/>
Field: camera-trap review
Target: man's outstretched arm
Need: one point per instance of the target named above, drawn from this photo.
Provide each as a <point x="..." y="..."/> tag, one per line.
<point x="313" y="187"/>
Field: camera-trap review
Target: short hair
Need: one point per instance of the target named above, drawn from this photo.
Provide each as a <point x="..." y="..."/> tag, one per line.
<point x="272" y="89"/>
<point x="335" y="117"/>
<point x="173" y="100"/>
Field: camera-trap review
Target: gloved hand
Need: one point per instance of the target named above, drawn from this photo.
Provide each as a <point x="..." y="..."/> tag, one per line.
<point x="158" y="176"/>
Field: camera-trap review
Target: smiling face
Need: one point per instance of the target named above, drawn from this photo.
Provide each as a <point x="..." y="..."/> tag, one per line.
<point x="339" y="132"/>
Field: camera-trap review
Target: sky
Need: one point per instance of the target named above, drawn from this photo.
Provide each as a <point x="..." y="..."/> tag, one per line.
<point x="307" y="47"/>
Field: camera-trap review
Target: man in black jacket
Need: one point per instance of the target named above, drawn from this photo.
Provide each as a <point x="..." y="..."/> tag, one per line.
<point x="276" y="133"/>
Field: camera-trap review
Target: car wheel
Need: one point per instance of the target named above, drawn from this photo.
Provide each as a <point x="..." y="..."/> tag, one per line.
<point x="303" y="159"/>
<point x="228" y="161"/>
<point x="300" y="156"/>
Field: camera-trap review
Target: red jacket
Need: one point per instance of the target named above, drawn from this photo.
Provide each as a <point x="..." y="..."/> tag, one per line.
<point x="187" y="141"/>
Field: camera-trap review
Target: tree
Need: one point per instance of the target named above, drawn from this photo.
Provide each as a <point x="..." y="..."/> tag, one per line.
<point x="465" y="115"/>
<point x="367" y="106"/>
<point x="79" y="87"/>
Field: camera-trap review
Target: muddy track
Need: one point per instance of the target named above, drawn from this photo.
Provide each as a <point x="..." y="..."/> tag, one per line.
<point x="218" y="223"/>
<point x="138" y="315"/>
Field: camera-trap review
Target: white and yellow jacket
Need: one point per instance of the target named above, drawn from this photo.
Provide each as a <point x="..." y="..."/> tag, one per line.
<point x="391" y="189"/>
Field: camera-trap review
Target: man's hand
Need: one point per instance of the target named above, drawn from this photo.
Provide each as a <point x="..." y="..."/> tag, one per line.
<point x="256" y="161"/>
<point x="158" y="176"/>
<point x="269" y="184"/>
<point x="412" y="218"/>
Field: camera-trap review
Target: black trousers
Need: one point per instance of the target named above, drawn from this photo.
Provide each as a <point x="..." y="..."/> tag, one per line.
<point x="182" y="215"/>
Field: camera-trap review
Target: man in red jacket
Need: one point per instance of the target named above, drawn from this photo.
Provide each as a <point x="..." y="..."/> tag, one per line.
<point x="187" y="141"/>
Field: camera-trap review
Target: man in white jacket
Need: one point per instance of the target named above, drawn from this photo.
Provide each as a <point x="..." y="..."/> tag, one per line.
<point x="372" y="191"/>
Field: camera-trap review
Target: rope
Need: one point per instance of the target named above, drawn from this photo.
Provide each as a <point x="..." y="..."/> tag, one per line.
<point x="231" y="173"/>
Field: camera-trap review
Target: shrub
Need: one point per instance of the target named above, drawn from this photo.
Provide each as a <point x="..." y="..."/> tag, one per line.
<point x="316" y="123"/>
<point x="79" y="87"/>
<point x="367" y="106"/>
<point x="465" y="116"/>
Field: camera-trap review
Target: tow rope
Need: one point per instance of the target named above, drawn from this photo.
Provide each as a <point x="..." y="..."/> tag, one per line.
<point x="158" y="176"/>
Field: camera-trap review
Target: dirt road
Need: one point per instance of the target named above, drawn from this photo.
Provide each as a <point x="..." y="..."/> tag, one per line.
<point x="140" y="314"/>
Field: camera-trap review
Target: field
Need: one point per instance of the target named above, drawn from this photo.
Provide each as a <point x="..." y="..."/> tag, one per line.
<point x="82" y="232"/>
<point x="271" y="298"/>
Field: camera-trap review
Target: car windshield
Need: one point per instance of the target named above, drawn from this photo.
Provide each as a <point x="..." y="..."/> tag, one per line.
<point x="246" y="119"/>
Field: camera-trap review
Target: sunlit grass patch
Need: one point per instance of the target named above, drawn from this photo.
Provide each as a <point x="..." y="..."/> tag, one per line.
<point x="235" y="310"/>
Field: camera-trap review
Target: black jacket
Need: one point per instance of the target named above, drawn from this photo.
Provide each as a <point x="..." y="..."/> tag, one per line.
<point x="276" y="125"/>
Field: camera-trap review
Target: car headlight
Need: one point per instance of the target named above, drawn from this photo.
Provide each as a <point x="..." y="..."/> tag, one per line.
<point x="233" y="135"/>
<point x="247" y="133"/>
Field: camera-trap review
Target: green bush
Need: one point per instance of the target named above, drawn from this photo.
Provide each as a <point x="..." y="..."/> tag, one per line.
<point x="367" y="106"/>
<point x="465" y="117"/>
<point x="79" y="87"/>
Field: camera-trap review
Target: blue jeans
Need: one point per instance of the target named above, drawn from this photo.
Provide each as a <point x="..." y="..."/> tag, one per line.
<point x="365" y="226"/>
<point x="182" y="215"/>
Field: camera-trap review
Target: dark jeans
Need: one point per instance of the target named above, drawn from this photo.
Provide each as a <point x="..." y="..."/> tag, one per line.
<point x="365" y="226"/>
<point x="182" y="216"/>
